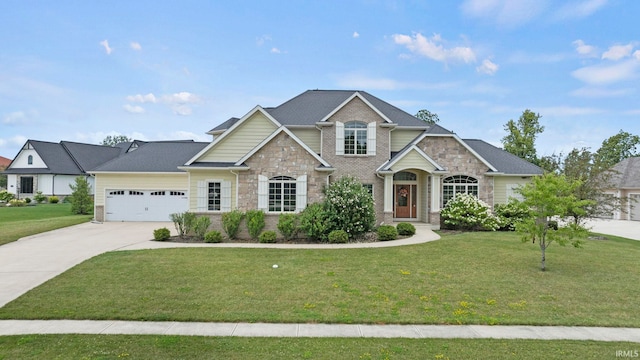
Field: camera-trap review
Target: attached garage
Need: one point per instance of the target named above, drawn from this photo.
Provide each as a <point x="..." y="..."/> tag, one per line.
<point x="144" y="205"/>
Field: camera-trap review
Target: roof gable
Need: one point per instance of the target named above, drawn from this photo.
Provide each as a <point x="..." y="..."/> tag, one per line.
<point x="626" y="174"/>
<point x="413" y="155"/>
<point x="89" y="156"/>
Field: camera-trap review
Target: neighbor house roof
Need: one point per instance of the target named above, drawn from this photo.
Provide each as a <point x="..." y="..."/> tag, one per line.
<point x="158" y="156"/>
<point x="503" y="161"/>
<point x="4" y="162"/>
<point x="313" y="106"/>
<point x="626" y="174"/>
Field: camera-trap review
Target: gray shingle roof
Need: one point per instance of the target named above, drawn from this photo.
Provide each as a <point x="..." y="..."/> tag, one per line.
<point x="160" y="156"/>
<point x="626" y="174"/>
<point x="55" y="156"/>
<point x="503" y="161"/>
<point x="314" y="105"/>
<point x="88" y="156"/>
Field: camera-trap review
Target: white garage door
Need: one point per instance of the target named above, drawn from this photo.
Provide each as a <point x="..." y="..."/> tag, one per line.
<point x="144" y="205"/>
<point x="635" y="207"/>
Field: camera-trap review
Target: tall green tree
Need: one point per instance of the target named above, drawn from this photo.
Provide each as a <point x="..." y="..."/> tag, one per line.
<point x="551" y="196"/>
<point x="427" y="116"/>
<point x="617" y="148"/>
<point x="81" y="200"/>
<point x="521" y="136"/>
<point x="114" y="140"/>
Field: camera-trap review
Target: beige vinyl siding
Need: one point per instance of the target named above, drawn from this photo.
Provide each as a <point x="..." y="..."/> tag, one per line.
<point x="147" y="181"/>
<point x="413" y="160"/>
<point x="239" y="142"/>
<point x="311" y="137"/>
<point x="400" y="138"/>
<point x="500" y="185"/>
<point x="197" y="176"/>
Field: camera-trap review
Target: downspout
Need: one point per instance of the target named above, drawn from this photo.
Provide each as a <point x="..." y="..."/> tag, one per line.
<point x="53" y="185"/>
<point x="237" y="184"/>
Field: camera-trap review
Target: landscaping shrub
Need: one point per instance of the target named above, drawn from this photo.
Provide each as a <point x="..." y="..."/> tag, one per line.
<point x="467" y="212"/>
<point x="6" y="196"/>
<point x="349" y="206"/>
<point x="268" y="237"/>
<point x="338" y="237"/>
<point x="53" y="199"/>
<point x="178" y="222"/>
<point x="17" y="203"/>
<point x="161" y="234"/>
<point x="213" y="236"/>
<point x="39" y="198"/>
<point x="387" y="232"/>
<point x="511" y="213"/>
<point x="405" y="229"/>
<point x="27" y="200"/>
<point x="288" y="225"/>
<point x="81" y="200"/>
<point x="255" y="222"/>
<point x="189" y="219"/>
<point x="231" y="223"/>
<point x="200" y="226"/>
<point x="313" y="222"/>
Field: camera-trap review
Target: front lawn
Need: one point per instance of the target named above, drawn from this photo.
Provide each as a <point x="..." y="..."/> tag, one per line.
<point x="18" y="222"/>
<point x="196" y="347"/>
<point x="469" y="278"/>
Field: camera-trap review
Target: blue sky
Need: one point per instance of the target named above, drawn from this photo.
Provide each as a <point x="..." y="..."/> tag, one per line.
<point x="157" y="70"/>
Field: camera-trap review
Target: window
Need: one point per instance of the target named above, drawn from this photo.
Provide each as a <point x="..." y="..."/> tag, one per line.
<point x="30" y="160"/>
<point x="214" y="198"/>
<point x="157" y="193"/>
<point x="282" y="194"/>
<point x="405" y="176"/>
<point x="177" y="193"/>
<point x="116" y="192"/>
<point x="26" y="184"/>
<point x="355" y="138"/>
<point x="458" y="184"/>
<point x="135" y="193"/>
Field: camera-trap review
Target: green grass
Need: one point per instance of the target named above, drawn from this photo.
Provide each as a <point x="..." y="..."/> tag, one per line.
<point x="471" y="278"/>
<point x="18" y="222"/>
<point x="192" y="347"/>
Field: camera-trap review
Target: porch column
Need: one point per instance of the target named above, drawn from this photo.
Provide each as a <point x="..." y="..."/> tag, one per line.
<point x="388" y="193"/>
<point x="435" y="193"/>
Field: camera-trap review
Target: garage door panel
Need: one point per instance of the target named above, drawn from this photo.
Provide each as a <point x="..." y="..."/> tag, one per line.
<point x="635" y="207"/>
<point x="144" y="205"/>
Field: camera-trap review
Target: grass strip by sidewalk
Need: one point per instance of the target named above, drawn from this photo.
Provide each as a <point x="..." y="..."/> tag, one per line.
<point x="470" y="278"/>
<point x="195" y="347"/>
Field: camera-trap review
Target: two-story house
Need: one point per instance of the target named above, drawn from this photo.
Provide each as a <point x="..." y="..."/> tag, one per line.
<point x="278" y="159"/>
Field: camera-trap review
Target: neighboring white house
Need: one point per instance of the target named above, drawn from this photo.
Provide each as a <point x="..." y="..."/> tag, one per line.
<point x="625" y="184"/>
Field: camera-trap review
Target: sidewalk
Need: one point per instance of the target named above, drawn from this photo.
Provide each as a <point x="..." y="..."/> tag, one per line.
<point x="104" y="327"/>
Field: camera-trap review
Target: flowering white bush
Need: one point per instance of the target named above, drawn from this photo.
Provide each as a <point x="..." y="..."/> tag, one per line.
<point x="349" y="206"/>
<point x="467" y="212"/>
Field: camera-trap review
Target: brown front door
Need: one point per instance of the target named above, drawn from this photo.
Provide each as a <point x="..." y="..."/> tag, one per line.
<point x="405" y="201"/>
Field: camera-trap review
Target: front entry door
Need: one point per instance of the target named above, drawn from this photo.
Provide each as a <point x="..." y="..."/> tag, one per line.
<point x="405" y="201"/>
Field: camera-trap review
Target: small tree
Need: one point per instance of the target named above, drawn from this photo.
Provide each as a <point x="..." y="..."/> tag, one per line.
<point x="427" y="116"/>
<point x="114" y="140"/>
<point x="81" y="201"/>
<point x="521" y="137"/>
<point x="550" y="196"/>
<point x="349" y="206"/>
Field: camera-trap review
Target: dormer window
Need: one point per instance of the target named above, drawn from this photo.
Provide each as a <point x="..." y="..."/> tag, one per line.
<point x="355" y="138"/>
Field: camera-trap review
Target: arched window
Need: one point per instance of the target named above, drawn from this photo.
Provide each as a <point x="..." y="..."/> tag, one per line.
<point x="458" y="184"/>
<point x="30" y="160"/>
<point x="282" y="194"/>
<point x="355" y="138"/>
<point x="405" y="176"/>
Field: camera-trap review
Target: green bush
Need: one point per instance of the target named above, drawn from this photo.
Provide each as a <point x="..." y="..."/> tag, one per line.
<point x="313" y="222"/>
<point x="81" y="200"/>
<point x="268" y="237"/>
<point x="255" y="222"/>
<point x="39" y="198"/>
<point x="189" y="219"/>
<point x="338" y="237"/>
<point x="213" y="236"/>
<point x="288" y="225"/>
<point x="178" y="222"/>
<point x="17" y="203"/>
<point x="161" y="234"/>
<point x="53" y="199"/>
<point x="200" y="226"/>
<point x="387" y="232"/>
<point x="405" y="229"/>
<point x="349" y="206"/>
<point x="231" y="223"/>
<point x="467" y="212"/>
<point x="6" y="196"/>
<point x="511" y="213"/>
<point x="27" y="200"/>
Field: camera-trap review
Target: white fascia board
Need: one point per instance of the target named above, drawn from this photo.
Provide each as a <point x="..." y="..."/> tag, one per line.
<point x="136" y="172"/>
<point x="344" y="103"/>
<point x="407" y="151"/>
<point x="273" y="135"/>
<point x="258" y="108"/>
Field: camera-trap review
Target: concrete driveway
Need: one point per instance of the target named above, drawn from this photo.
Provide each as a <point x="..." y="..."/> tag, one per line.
<point x="623" y="228"/>
<point x="30" y="261"/>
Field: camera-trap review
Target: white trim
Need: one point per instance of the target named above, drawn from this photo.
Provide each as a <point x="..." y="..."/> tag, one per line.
<point x="344" y="103"/>
<point x="301" y="193"/>
<point x="371" y="138"/>
<point x="263" y="193"/>
<point x="406" y="152"/>
<point x="458" y="139"/>
<point x="339" y="138"/>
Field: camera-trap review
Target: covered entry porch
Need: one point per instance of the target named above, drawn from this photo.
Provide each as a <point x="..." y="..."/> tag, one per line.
<point x="412" y="195"/>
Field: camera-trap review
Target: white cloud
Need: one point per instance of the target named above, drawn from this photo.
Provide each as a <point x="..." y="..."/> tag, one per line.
<point x="15" y="118"/>
<point x="139" y="98"/>
<point x="584" y="49"/>
<point x="606" y="74"/>
<point x="487" y="67"/>
<point x="105" y="45"/>
<point x="579" y="9"/>
<point x="135" y="46"/>
<point x="134" y="109"/>
<point x="356" y="34"/>
<point x="636" y="54"/>
<point x="182" y="110"/>
<point x="617" y="52"/>
<point x="183" y="97"/>
<point x="598" y="92"/>
<point x="262" y="39"/>
<point x="504" y="12"/>
<point x="433" y="49"/>
<point x="17" y="140"/>
<point x="275" y="50"/>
